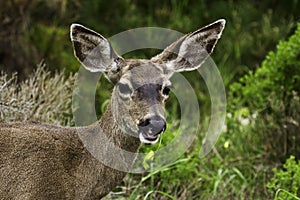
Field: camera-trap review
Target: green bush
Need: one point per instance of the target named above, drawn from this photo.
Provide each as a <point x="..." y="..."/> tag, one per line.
<point x="272" y="94"/>
<point x="54" y="45"/>
<point x="286" y="182"/>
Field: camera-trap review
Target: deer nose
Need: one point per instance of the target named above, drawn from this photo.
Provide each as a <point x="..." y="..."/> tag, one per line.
<point x="153" y="125"/>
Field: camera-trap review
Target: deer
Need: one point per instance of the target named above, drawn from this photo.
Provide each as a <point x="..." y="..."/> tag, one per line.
<point x="44" y="161"/>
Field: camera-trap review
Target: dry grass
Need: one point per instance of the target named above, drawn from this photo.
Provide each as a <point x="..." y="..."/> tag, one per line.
<point x="42" y="97"/>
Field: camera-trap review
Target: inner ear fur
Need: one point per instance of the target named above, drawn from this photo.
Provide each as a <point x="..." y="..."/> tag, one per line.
<point x="191" y="50"/>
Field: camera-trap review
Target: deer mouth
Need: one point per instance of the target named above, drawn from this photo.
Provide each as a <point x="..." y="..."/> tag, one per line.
<point x="151" y="128"/>
<point x="148" y="138"/>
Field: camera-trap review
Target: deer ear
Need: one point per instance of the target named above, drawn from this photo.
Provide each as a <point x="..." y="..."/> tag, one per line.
<point x="94" y="51"/>
<point x="191" y="50"/>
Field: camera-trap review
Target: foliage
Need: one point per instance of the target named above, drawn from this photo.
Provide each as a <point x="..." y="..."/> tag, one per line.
<point x="51" y="41"/>
<point x="286" y="182"/>
<point x="43" y="32"/>
<point x="42" y="97"/>
<point x="273" y="92"/>
<point x="16" y="53"/>
<point x="42" y="27"/>
<point x="278" y="78"/>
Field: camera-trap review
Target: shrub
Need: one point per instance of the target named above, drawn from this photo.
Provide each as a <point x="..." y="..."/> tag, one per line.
<point x="286" y="182"/>
<point x="273" y="92"/>
<point x="42" y="97"/>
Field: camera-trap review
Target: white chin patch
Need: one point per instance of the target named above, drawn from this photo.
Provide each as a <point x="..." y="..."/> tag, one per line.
<point x="146" y="141"/>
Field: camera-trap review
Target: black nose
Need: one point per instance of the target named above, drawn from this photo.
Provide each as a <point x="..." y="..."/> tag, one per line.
<point x="152" y="126"/>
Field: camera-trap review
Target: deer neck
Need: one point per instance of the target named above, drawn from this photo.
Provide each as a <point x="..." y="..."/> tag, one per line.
<point x="105" y="138"/>
<point x="112" y="131"/>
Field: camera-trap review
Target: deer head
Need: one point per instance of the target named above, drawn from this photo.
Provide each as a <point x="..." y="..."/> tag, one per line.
<point x="142" y="86"/>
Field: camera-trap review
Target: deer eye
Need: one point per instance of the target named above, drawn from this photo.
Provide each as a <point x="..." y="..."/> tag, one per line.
<point x="124" y="88"/>
<point x="166" y="90"/>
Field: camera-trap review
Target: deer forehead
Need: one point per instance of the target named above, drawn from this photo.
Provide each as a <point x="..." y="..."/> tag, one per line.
<point x="142" y="72"/>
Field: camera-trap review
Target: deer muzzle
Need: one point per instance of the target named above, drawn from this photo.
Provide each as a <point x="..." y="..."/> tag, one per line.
<point x="150" y="128"/>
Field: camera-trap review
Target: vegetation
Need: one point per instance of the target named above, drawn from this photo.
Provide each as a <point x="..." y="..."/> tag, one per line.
<point x="286" y="182"/>
<point x="262" y="82"/>
<point x="43" y="97"/>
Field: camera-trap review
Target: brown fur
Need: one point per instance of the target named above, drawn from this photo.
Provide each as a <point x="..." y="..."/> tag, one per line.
<point x="40" y="161"/>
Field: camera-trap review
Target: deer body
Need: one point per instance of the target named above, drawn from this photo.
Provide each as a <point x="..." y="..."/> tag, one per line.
<point x="51" y="162"/>
<point x="41" y="161"/>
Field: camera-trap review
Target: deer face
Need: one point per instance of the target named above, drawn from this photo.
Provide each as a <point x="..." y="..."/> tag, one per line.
<point x="138" y="99"/>
<point x="142" y="86"/>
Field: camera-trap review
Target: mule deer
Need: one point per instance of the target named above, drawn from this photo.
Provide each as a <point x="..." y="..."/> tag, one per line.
<point x="41" y="161"/>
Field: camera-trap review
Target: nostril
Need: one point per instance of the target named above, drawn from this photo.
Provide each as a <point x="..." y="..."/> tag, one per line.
<point x="144" y="123"/>
<point x="153" y="126"/>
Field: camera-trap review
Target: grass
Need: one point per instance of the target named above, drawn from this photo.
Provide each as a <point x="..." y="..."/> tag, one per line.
<point x="277" y="195"/>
